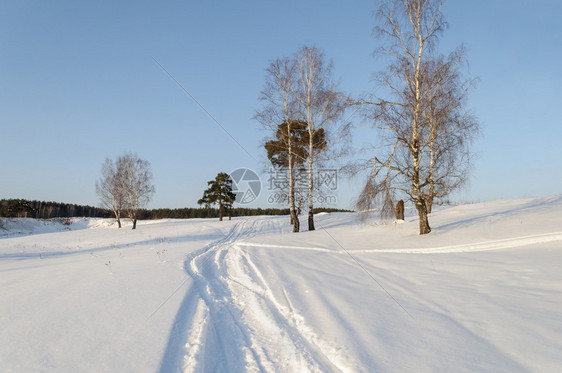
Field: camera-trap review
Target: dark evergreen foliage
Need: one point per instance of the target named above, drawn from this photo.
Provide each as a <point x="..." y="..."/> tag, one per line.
<point x="277" y="150"/>
<point x="20" y="208"/>
<point x="219" y="192"/>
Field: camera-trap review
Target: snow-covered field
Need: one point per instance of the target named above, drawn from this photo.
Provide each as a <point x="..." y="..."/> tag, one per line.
<point x="481" y="293"/>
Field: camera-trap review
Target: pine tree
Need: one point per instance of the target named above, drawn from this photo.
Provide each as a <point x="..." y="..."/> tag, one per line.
<point x="219" y="191"/>
<point x="289" y="150"/>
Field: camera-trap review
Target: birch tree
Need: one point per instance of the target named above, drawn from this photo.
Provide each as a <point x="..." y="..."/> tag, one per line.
<point x="110" y="189"/>
<point x="280" y="108"/>
<point x="300" y="90"/>
<point x="450" y="128"/>
<point x="423" y="124"/>
<point x="137" y="184"/>
<point x="411" y="28"/>
<point x="319" y="105"/>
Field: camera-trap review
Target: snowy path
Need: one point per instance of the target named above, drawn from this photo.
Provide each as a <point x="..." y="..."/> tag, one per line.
<point x="235" y="321"/>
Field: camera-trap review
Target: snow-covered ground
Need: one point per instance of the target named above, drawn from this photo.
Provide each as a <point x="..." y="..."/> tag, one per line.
<point x="481" y="293"/>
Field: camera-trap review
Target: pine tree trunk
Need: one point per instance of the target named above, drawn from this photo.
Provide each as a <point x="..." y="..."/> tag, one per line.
<point x="220" y="210"/>
<point x="135" y="222"/>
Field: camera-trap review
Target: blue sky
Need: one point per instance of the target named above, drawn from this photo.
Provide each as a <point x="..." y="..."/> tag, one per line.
<point x="78" y="83"/>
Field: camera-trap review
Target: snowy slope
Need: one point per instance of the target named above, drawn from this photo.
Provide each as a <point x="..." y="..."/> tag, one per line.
<point x="482" y="292"/>
<point x="18" y="227"/>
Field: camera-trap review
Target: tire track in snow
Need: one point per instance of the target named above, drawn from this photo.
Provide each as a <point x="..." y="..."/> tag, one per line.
<point x="237" y="324"/>
<point x="191" y="319"/>
<point x="222" y="343"/>
<point x="306" y="350"/>
<point x="193" y="346"/>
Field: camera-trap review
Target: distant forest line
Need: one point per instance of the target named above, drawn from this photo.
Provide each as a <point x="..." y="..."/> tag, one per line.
<point x="20" y="208"/>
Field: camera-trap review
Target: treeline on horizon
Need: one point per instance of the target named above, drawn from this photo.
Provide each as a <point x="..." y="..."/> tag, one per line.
<point x="21" y="208"/>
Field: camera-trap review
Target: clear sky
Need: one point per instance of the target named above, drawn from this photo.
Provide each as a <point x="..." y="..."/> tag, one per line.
<point x="79" y="83"/>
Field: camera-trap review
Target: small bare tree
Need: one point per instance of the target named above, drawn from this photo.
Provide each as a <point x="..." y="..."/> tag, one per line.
<point x="109" y="188"/>
<point x="137" y="184"/>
